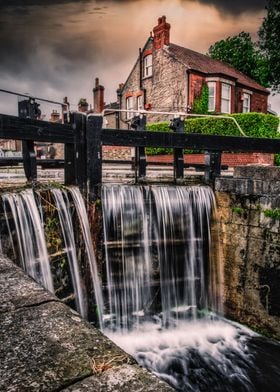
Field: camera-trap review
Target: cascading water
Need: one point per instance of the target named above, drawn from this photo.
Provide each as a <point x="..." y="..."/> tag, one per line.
<point x="158" y="234"/>
<point x="28" y="222"/>
<point x="84" y="223"/>
<point x="162" y="289"/>
<point x="63" y="207"/>
<point x="30" y="236"/>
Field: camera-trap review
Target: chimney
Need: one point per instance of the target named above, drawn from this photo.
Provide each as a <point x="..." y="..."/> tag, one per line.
<point x="98" y="97"/>
<point x="55" y="116"/>
<point x="161" y="33"/>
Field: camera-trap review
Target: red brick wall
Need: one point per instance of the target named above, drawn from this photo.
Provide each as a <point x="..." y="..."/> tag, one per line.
<point x="228" y="159"/>
<point x="258" y="99"/>
<point x="259" y="102"/>
<point x="195" y="87"/>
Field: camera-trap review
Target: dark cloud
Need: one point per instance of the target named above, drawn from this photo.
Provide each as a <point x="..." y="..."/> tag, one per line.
<point x="24" y="3"/>
<point x="236" y="6"/>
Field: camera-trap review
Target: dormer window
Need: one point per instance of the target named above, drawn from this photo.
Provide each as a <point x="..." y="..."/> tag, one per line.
<point x="148" y="66"/>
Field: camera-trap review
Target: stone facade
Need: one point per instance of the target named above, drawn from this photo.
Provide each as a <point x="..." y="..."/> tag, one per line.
<point x="250" y="246"/>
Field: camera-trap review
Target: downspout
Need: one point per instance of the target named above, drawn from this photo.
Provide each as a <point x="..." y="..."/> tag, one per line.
<point x="140" y="78"/>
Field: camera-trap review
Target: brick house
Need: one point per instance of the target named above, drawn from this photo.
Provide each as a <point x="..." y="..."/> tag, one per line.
<point x="168" y="77"/>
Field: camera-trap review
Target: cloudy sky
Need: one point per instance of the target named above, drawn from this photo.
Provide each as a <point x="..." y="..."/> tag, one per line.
<point x="54" y="48"/>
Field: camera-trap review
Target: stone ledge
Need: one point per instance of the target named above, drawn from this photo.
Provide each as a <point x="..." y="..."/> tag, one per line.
<point x="46" y="346"/>
<point x="17" y="290"/>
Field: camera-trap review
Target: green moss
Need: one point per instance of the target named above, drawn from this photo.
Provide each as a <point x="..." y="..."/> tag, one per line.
<point x="274" y="214"/>
<point x="238" y="210"/>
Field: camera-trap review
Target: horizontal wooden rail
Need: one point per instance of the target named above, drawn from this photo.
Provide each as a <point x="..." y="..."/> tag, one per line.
<point x="45" y="163"/>
<point x="112" y="137"/>
<point x="12" y="127"/>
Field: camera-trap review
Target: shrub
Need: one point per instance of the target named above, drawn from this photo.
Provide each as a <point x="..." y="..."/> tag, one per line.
<point x="252" y="124"/>
<point x="277" y="159"/>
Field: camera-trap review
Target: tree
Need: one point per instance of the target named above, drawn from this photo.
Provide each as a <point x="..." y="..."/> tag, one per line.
<point x="269" y="42"/>
<point x="243" y="54"/>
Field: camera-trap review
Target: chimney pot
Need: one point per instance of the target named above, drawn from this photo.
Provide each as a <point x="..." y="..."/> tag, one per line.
<point x="161" y="33"/>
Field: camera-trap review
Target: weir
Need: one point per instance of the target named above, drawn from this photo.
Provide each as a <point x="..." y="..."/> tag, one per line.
<point x="158" y="294"/>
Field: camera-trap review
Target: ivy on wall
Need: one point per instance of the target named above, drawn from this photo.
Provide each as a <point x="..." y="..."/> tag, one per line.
<point x="200" y="104"/>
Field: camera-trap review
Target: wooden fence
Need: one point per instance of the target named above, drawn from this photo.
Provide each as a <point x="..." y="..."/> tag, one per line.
<point x="84" y="137"/>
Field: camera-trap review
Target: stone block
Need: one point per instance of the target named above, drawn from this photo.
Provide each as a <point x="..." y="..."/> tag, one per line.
<point x="263" y="173"/>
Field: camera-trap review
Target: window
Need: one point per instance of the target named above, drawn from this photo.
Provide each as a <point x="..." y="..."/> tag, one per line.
<point x="140" y="102"/>
<point x="148" y="66"/>
<point x="212" y="96"/>
<point x="246" y="102"/>
<point x="129" y="106"/>
<point x="226" y="98"/>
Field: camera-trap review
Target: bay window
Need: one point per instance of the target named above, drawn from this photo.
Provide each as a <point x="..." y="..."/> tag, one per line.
<point x="226" y="98"/>
<point x="246" y="102"/>
<point x="212" y="96"/>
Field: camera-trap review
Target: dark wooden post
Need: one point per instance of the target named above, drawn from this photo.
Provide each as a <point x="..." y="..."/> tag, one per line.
<point x="213" y="165"/>
<point x="80" y="149"/>
<point x="139" y="124"/>
<point x="69" y="164"/>
<point x="177" y="125"/>
<point x="28" y="150"/>
<point x="94" y="156"/>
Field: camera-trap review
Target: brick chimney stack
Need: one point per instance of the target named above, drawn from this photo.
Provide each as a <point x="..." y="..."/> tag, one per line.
<point x="55" y="117"/>
<point x="161" y="33"/>
<point x="98" y="97"/>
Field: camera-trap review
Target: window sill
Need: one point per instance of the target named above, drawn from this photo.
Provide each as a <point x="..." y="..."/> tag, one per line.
<point x="147" y="77"/>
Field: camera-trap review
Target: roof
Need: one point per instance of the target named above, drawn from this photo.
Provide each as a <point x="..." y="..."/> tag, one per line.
<point x="112" y="106"/>
<point x="202" y="63"/>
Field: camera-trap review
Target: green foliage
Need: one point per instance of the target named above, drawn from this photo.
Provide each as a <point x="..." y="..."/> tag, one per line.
<point x="243" y="54"/>
<point x="274" y="214"/>
<point x="253" y="125"/>
<point x="270" y="43"/>
<point x="238" y="210"/>
<point x="200" y="104"/>
<point x="277" y="159"/>
<point x="83" y="102"/>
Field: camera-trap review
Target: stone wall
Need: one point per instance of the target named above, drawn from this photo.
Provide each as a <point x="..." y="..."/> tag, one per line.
<point x="46" y="346"/>
<point x="250" y="246"/>
<point x="166" y="89"/>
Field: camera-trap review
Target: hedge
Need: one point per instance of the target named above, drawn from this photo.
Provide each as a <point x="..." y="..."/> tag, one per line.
<point x="252" y="124"/>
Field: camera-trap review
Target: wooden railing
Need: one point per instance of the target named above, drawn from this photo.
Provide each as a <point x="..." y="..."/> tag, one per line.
<point x="84" y="137"/>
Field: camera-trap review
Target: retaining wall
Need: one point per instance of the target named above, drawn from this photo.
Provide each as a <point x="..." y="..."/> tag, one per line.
<point x="250" y="246"/>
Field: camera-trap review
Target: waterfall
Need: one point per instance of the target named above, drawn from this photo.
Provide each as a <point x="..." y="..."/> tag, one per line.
<point x="84" y="223"/>
<point x="126" y="233"/>
<point x="157" y="250"/>
<point x="63" y="207"/>
<point x="28" y="220"/>
<point x="163" y="302"/>
<point x="30" y="236"/>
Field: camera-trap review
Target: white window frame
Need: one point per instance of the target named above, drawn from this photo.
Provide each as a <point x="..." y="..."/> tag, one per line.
<point x="148" y="66"/>
<point x="212" y="98"/>
<point x="129" y="106"/>
<point x="246" y="108"/>
<point x="226" y="99"/>
<point x="140" y="105"/>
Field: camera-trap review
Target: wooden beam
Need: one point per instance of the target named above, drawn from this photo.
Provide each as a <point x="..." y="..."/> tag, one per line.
<point x="15" y="128"/>
<point x="113" y="137"/>
<point x="94" y="156"/>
